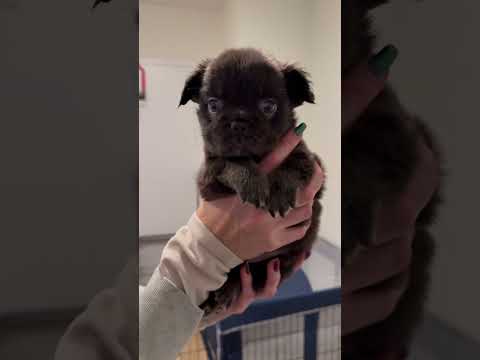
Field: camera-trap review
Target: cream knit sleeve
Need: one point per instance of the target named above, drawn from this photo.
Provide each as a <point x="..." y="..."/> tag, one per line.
<point x="196" y="262"/>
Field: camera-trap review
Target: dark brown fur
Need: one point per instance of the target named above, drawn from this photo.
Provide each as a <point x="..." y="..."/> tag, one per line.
<point x="238" y="135"/>
<point x="378" y="158"/>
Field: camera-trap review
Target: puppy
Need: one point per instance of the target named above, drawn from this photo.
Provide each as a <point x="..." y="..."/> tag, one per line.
<point x="246" y="104"/>
<point x="378" y="158"/>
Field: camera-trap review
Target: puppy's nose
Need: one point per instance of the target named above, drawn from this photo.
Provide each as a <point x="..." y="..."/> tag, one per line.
<point x="238" y="126"/>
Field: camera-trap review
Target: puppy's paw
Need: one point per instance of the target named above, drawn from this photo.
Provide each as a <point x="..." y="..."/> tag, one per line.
<point x="255" y="191"/>
<point x="282" y="198"/>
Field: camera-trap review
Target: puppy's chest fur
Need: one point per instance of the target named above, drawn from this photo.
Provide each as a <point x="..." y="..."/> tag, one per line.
<point x="274" y="192"/>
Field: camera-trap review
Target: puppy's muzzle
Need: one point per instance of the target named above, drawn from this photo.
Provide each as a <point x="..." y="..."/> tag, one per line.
<point x="239" y="126"/>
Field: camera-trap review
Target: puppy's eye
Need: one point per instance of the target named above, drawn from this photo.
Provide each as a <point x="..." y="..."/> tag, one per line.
<point x="268" y="107"/>
<point x="214" y="105"/>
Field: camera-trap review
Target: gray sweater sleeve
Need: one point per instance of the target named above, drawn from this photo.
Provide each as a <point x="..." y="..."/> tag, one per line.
<point x="193" y="262"/>
<point x="108" y="328"/>
<point x="167" y="319"/>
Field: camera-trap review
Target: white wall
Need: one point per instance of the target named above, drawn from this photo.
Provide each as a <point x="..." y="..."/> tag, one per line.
<point x="180" y="33"/>
<point x="437" y="77"/>
<point x="174" y="37"/>
<point x="170" y="152"/>
<point x="279" y="27"/>
<point x="324" y="120"/>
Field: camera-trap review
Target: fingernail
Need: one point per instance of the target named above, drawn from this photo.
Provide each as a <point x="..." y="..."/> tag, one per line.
<point x="300" y="129"/>
<point x="380" y="63"/>
<point x="307" y="255"/>
<point x="247" y="268"/>
<point x="276" y="265"/>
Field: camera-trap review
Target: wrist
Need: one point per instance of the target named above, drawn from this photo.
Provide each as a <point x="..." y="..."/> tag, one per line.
<point x="217" y="224"/>
<point x="213" y="239"/>
<point x="196" y="262"/>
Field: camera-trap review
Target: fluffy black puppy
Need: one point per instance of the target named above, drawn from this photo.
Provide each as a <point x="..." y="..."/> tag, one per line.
<point x="246" y="105"/>
<point x="378" y="158"/>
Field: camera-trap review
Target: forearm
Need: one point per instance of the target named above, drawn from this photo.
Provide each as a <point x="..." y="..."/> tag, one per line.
<point x="167" y="319"/>
<point x="194" y="262"/>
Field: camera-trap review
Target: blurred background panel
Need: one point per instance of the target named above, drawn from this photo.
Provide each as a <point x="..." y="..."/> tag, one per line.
<point x="68" y="155"/>
<point x="436" y="74"/>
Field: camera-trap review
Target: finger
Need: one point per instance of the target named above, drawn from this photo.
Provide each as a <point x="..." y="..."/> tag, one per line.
<point x="273" y="280"/>
<point x="377" y="264"/>
<point x="372" y="305"/>
<point x="292" y="234"/>
<point x="283" y="149"/>
<point x="364" y="83"/>
<point x="296" y="216"/>
<point x="247" y="295"/>
<point x="307" y="194"/>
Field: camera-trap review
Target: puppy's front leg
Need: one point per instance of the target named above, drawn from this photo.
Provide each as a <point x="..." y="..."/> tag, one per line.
<point x="294" y="173"/>
<point x="209" y="187"/>
<point x="244" y="177"/>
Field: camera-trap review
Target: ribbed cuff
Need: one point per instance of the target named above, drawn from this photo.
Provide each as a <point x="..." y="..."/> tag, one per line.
<point x="214" y="246"/>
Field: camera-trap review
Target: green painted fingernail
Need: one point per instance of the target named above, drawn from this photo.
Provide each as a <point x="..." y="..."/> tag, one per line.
<point x="381" y="62"/>
<point x="300" y="129"/>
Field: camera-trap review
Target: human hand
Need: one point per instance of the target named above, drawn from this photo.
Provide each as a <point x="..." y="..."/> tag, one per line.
<point x="249" y="232"/>
<point x="248" y="295"/>
<point x="364" y="83"/>
<point x="373" y="284"/>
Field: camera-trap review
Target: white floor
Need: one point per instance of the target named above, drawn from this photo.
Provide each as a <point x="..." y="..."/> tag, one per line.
<point x="323" y="266"/>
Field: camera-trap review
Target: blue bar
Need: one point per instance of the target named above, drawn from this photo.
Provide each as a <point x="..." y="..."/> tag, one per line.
<point x="310" y="337"/>
<point x="232" y="346"/>
<point x="266" y="310"/>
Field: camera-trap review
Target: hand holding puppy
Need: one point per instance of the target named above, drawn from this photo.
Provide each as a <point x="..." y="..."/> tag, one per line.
<point x="373" y="285"/>
<point x="248" y="231"/>
<point x="244" y="228"/>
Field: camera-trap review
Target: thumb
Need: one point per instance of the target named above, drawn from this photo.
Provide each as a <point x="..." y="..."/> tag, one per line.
<point x="364" y="83"/>
<point x="283" y="149"/>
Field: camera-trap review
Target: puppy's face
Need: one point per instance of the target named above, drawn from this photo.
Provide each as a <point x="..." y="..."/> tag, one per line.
<point x="245" y="102"/>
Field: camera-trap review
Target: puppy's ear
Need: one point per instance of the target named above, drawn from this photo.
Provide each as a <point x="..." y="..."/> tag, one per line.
<point x="298" y="86"/>
<point x="191" y="90"/>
